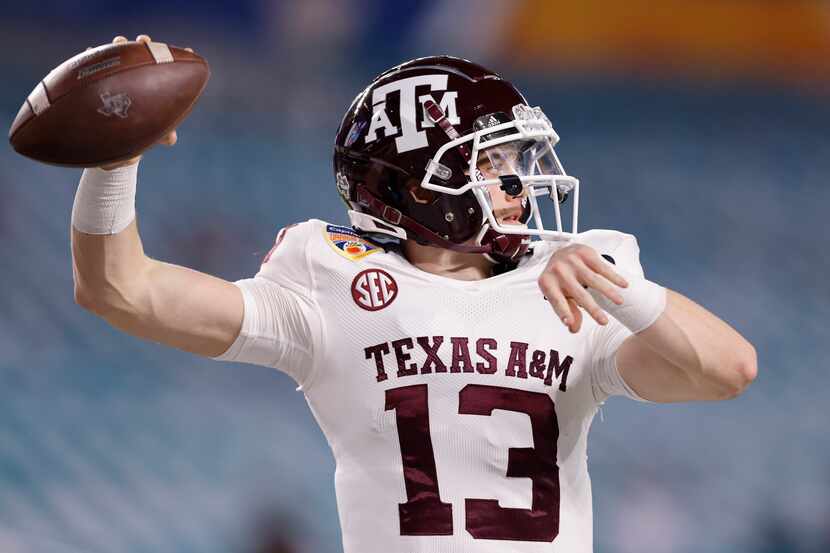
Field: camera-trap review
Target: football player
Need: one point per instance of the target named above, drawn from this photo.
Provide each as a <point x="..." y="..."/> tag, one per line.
<point x="440" y="339"/>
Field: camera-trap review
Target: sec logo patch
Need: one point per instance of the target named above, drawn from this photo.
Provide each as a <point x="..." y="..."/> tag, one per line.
<point x="374" y="289"/>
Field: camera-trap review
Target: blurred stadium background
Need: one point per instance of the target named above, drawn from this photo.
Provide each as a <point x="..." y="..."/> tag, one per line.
<point x="701" y="127"/>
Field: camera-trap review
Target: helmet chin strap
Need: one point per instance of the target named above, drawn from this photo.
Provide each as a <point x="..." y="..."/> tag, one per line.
<point x="412" y="227"/>
<point x="495" y="246"/>
<point x="504" y="247"/>
<point x="485" y="228"/>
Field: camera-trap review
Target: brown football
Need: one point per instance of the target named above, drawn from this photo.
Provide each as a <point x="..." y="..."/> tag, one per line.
<point x="108" y="104"/>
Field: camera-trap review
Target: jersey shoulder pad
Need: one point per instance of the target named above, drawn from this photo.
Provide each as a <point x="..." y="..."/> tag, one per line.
<point x="619" y="248"/>
<point x="288" y="263"/>
<point x="301" y="248"/>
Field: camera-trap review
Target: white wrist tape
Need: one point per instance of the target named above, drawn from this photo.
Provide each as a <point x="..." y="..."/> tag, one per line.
<point x="643" y="302"/>
<point x="105" y="200"/>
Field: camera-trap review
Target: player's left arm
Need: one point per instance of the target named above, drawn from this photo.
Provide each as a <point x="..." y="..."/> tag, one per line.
<point x="687" y="354"/>
<point x="678" y="351"/>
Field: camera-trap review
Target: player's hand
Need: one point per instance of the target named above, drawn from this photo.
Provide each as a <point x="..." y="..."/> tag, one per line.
<point x="168" y="140"/>
<point x="569" y="271"/>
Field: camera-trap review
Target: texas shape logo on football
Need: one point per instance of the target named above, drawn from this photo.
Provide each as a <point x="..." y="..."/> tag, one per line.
<point x="115" y="104"/>
<point x="374" y="289"/>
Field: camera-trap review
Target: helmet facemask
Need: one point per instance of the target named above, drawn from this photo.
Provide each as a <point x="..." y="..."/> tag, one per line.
<point x="510" y="159"/>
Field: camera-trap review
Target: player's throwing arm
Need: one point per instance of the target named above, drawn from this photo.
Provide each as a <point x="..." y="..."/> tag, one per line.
<point x="147" y="298"/>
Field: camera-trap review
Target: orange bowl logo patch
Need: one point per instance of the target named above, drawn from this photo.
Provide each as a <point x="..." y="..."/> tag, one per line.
<point x="348" y="243"/>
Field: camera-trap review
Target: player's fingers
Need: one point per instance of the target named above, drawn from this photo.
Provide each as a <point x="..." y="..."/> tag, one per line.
<point x="553" y="293"/>
<point x="189" y="50"/>
<point x="119" y="39"/>
<point x="131" y="161"/>
<point x="577" y="320"/>
<point x="599" y="283"/>
<point x="170" y="138"/>
<point x="143" y="38"/>
<point x="574" y="289"/>
<point x="599" y="265"/>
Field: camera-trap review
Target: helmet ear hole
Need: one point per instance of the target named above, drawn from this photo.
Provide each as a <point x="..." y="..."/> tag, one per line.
<point x="421" y="196"/>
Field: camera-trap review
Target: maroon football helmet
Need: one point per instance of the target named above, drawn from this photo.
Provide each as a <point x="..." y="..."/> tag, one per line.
<point x="432" y="147"/>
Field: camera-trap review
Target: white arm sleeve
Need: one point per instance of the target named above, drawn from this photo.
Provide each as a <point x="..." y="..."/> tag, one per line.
<point x="280" y="329"/>
<point x="606" y="380"/>
<point x="605" y="341"/>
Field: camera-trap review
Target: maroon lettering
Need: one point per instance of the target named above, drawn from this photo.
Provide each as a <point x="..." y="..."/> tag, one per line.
<point x="546" y="365"/>
<point x="374" y="289"/>
<point x="377" y="352"/>
<point x="461" y="355"/>
<point x="482" y="347"/>
<point x="432" y="359"/>
<point x="537" y="364"/>
<point x="402" y="357"/>
<point x="554" y="368"/>
<point x="423" y="514"/>
<point x="485" y="518"/>
<point x="517" y="360"/>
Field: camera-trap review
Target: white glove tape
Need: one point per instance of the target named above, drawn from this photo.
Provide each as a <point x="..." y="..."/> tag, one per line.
<point x="105" y="200"/>
<point x="643" y="302"/>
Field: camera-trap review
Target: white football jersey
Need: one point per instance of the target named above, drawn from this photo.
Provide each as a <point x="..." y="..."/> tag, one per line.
<point x="457" y="411"/>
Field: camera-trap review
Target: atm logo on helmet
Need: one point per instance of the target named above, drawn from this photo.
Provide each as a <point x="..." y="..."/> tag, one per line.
<point x="407" y="133"/>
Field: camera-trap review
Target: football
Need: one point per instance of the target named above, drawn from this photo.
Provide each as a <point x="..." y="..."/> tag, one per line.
<point x="108" y="104"/>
